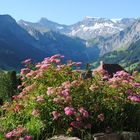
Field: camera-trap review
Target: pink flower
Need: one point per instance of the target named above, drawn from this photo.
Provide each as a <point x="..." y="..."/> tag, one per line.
<point x="78" y="118"/>
<point x="62" y="56"/>
<point x="56" y="100"/>
<point x="31" y="73"/>
<point x="29" y="88"/>
<point x="69" y="111"/>
<point x="135" y="73"/>
<point x="66" y="85"/>
<point x="27" y="62"/>
<point x="19" y="87"/>
<point x="27" y="138"/>
<point x="125" y="81"/>
<point x="129" y="91"/>
<point x="65" y="93"/>
<point x="23" y="84"/>
<point x="76" y="124"/>
<point x="55" y="56"/>
<point x="56" y="115"/>
<point x="88" y="126"/>
<point x="134" y="98"/>
<point x="25" y="71"/>
<point x="75" y="83"/>
<point x="93" y="87"/>
<point x="54" y="60"/>
<point x="46" y="59"/>
<point x="39" y="75"/>
<point x="135" y="84"/>
<point x="38" y="65"/>
<point x="14" y="97"/>
<point x="35" y="112"/>
<point x="78" y="63"/>
<point x="22" y="78"/>
<point x="15" y="133"/>
<point x="105" y="78"/>
<point x="17" y="107"/>
<point x="9" y="135"/>
<point x="84" y="112"/>
<point x="101" y="117"/>
<point x="68" y="99"/>
<point x="20" y="129"/>
<point x="121" y="74"/>
<point x="50" y="91"/>
<point x="58" y="68"/>
<point x="40" y="99"/>
<point x="45" y="66"/>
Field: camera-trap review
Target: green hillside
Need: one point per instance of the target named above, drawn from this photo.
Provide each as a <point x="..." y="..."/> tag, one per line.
<point x="128" y="58"/>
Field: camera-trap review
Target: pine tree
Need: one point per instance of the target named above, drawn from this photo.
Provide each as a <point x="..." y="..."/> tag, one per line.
<point x="8" y="85"/>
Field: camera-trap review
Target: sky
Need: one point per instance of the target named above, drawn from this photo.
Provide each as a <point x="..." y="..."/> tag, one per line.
<point x="69" y="11"/>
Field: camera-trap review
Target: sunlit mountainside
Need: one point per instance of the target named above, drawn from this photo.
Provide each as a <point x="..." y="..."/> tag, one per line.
<point x="84" y="41"/>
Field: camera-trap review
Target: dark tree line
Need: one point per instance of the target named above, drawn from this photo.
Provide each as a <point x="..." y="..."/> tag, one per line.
<point x="8" y="85"/>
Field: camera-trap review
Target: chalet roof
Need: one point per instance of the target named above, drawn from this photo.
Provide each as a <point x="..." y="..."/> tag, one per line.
<point x="109" y="68"/>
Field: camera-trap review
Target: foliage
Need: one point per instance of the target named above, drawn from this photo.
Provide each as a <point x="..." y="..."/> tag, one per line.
<point x="128" y="58"/>
<point x="8" y="84"/>
<point x="55" y="100"/>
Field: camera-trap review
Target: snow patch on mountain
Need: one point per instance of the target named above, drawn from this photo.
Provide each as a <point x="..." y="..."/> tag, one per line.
<point x="60" y="27"/>
<point x="115" y="20"/>
<point x="88" y="28"/>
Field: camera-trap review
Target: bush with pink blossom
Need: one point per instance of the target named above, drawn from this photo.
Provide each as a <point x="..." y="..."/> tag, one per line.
<point x="54" y="100"/>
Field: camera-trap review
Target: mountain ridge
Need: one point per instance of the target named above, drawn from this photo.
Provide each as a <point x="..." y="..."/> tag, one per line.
<point x="45" y="38"/>
<point x="120" y="40"/>
<point x="97" y="32"/>
<point x="86" y="29"/>
<point x="18" y="43"/>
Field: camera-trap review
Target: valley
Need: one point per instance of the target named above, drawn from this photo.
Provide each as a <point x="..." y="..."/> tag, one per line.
<point x="85" y="41"/>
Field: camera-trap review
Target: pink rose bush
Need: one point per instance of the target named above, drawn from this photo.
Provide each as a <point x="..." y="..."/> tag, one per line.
<point x="54" y="100"/>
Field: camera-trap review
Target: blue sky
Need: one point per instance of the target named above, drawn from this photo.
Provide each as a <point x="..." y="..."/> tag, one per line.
<point x="69" y="11"/>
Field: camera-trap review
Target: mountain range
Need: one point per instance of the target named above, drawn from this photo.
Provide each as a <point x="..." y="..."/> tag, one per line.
<point x="86" y="29"/>
<point x="101" y="33"/>
<point x="84" y="41"/>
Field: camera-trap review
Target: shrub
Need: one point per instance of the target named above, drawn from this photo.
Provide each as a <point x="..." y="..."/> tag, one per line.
<point x="55" y="100"/>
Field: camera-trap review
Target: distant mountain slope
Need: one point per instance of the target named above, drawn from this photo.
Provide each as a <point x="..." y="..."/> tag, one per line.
<point x="128" y="58"/>
<point x="18" y="43"/>
<point x="46" y="38"/>
<point x="44" y="25"/>
<point x="52" y="42"/>
<point x="86" y="29"/>
<point x="15" y="44"/>
<point x="121" y="40"/>
<point x="101" y="34"/>
<point x="90" y="28"/>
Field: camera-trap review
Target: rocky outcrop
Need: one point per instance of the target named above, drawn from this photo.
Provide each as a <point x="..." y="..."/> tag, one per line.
<point x="63" y="138"/>
<point x="103" y="136"/>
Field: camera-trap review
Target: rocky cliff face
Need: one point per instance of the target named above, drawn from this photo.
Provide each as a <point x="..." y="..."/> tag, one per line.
<point x="121" y="40"/>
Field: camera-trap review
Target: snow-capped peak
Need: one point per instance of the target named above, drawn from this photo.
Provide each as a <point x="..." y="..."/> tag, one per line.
<point x="88" y="17"/>
<point x="115" y="20"/>
<point x="90" y="27"/>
